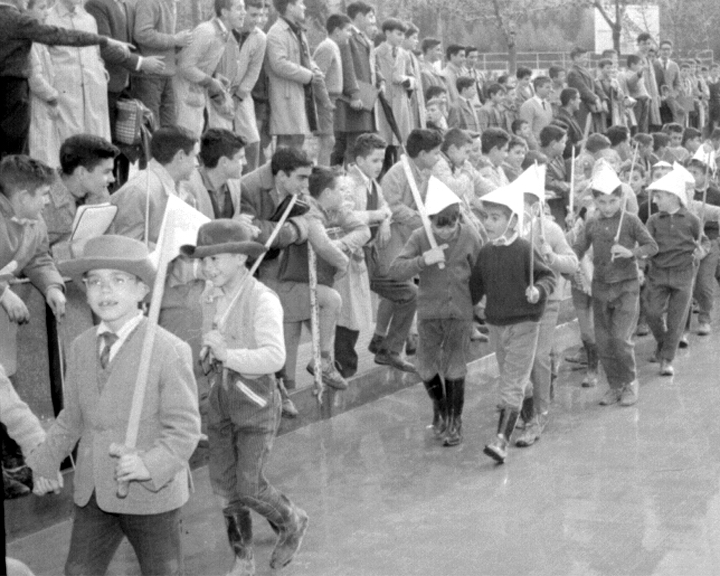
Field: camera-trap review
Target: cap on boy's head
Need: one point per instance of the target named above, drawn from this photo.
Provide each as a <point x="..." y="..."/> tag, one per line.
<point x="688" y="178"/>
<point x="707" y="159"/>
<point x="510" y="197"/>
<point x="604" y="179"/>
<point x="223" y="236"/>
<point x="532" y="181"/>
<point x="673" y="183"/>
<point x="112" y="253"/>
<point x="439" y="197"/>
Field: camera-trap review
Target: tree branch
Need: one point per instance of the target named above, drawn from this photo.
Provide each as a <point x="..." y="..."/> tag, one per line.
<point x="604" y="14"/>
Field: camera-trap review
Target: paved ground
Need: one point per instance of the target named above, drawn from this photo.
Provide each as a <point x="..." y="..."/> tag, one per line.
<point x="605" y="491"/>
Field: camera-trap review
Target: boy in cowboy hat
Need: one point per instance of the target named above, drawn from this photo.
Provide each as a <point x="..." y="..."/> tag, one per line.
<point x="101" y="377"/>
<point x="615" y="283"/>
<point x="246" y="345"/>
<point x="445" y="311"/>
<point x="669" y="279"/>
<point x="517" y="285"/>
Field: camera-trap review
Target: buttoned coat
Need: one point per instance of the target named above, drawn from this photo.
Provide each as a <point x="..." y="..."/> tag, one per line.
<point x="394" y="65"/>
<point x="97" y="407"/>
<point x="357" y="66"/>
<point x="286" y="80"/>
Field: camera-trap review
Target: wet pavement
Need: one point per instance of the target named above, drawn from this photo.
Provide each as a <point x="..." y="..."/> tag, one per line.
<point x="607" y="490"/>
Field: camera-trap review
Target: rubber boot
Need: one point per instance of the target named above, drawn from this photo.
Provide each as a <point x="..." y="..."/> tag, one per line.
<point x="497" y="449"/>
<point x="456" y="401"/>
<point x="435" y="390"/>
<point x="591" y="375"/>
<point x="239" y="531"/>
<point x="289" y="539"/>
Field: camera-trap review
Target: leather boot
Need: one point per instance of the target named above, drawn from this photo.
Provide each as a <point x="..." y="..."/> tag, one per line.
<point x="591" y="375"/>
<point x="456" y="401"/>
<point x="435" y="390"/>
<point x="239" y="531"/>
<point x="289" y="539"/>
<point x="497" y="449"/>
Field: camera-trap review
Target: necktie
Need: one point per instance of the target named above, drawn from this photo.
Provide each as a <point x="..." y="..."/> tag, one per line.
<point x="108" y="339"/>
<point x="544" y="107"/>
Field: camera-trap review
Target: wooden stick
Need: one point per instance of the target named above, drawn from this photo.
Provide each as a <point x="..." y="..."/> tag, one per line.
<point x="315" y="324"/>
<point x="632" y="162"/>
<point x="617" y="234"/>
<point x="532" y="250"/>
<point x="571" y="203"/>
<point x="420" y="205"/>
<point x="144" y="364"/>
<point x="586" y="134"/>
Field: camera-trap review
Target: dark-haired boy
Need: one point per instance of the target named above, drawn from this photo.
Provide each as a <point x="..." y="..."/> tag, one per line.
<point x="462" y="113"/>
<point x="536" y="110"/>
<point x="492" y="113"/>
<point x="495" y="149"/>
<point x="423" y="149"/>
<point x="524" y="88"/>
<point x="101" y="376"/>
<point x="444" y="305"/>
<point x="86" y="172"/>
<point x="615" y="284"/>
<point x="455" y="55"/>
<point x="24" y="189"/>
<point x="328" y="58"/>
<point x="516" y="292"/>
<point x="432" y="54"/>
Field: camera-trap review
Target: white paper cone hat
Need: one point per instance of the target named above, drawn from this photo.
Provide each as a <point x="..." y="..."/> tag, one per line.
<point x="438" y="197"/>
<point x="532" y="181"/>
<point x="604" y="178"/>
<point x="674" y="183"/>
<point x="508" y="196"/>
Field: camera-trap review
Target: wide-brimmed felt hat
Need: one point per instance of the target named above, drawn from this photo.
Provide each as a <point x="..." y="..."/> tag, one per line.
<point x="112" y="253"/>
<point x="223" y="236"/>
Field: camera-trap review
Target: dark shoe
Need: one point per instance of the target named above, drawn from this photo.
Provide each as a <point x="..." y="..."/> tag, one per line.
<point x="593" y="362"/>
<point x="376" y="343"/>
<point x="684" y="342"/>
<point x="289" y="541"/>
<point x="455" y="401"/>
<point x="642" y="329"/>
<point x="411" y="345"/>
<point x="580" y="357"/>
<point x="704" y="329"/>
<point x="393" y="360"/>
<point x="527" y="410"/>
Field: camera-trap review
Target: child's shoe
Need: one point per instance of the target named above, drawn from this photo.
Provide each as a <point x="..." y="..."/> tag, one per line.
<point x="612" y="396"/>
<point x="629" y="394"/>
<point x="376" y="343"/>
<point x="642" y="329"/>
<point x="666" y="368"/>
<point x="497" y="449"/>
<point x="330" y="375"/>
<point x="289" y="540"/>
<point x="704" y="329"/>
<point x="455" y="401"/>
<point x="530" y="435"/>
<point x="684" y="342"/>
<point x="593" y="363"/>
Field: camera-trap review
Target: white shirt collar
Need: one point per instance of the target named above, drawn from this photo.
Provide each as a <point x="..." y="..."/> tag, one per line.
<point x="122" y="334"/>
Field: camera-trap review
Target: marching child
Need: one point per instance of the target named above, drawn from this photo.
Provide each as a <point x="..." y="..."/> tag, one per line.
<point x="246" y="347"/>
<point x="560" y="258"/>
<point x="445" y="311"/>
<point x="517" y="283"/>
<point x="669" y="279"/>
<point x="615" y="284"/>
<point x="102" y="371"/>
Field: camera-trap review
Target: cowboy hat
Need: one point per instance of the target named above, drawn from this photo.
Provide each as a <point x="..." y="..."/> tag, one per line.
<point x="112" y="253"/>
<point x="223" y="236"/>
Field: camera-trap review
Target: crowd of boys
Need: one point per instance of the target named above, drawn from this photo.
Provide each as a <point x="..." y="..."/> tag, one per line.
<point x="470" y="207"/>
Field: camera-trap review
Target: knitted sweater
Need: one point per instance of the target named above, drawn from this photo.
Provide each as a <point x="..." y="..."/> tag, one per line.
<point x="501" y="273"/>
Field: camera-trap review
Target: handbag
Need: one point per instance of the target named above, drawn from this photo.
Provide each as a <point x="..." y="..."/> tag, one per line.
<point x="132" y="115"/>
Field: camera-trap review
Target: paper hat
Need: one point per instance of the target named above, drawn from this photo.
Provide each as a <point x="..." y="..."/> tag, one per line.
<point x="604" y="178"/>
<point x="112" y="253"/>
<point x="508" y="196"/>
<point x="673" y="183"/>
<point x="705" y="158"/>
<point x="532" y="181"/>
<point x="223" y="236"/>
<point x="662" y="164"/>
<point x="439" y="197"/>
<point x="685" y="173"/>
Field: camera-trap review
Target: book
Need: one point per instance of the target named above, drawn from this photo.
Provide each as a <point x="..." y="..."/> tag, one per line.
<point x="92" y="220"/>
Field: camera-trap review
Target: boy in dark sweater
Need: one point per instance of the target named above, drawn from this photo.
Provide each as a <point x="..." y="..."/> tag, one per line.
<point x="615" y="285"/>
<point x="445" y="311"/>
<point x="517" y="284"/>
<point x="669" y="279"/>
